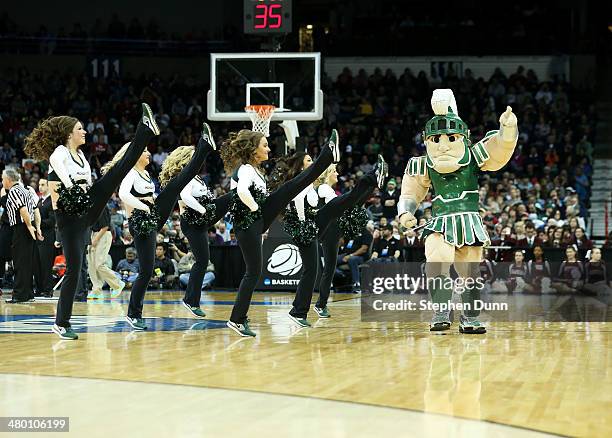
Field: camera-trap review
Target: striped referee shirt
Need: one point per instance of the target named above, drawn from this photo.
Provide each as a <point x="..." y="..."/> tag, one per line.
<point x="19" y="196"/>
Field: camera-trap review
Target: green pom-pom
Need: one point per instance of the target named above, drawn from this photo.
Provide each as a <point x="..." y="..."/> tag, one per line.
<point x="195" y="218"/>
<point x="353" y="222"/>
<point x="241" y="216"/>
<point x="73" y="201"/>
<point x="302" y="232"/>
<point x="143" y="223"/>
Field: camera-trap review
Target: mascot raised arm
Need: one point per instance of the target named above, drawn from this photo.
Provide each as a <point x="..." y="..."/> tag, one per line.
<point x="455" y="234"/>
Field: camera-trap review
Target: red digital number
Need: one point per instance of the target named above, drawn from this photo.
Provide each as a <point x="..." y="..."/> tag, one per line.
<point x="263" y="16"/>
<point x="278" y="16"/>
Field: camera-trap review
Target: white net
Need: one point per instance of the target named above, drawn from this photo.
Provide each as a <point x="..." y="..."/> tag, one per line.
<point x="260" y="117"/>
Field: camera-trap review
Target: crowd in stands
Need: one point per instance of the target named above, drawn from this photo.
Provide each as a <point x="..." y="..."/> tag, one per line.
<point x="543" y="193"/>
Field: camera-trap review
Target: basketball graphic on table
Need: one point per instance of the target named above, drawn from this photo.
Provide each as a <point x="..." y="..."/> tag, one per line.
<point x="285" y="260"/>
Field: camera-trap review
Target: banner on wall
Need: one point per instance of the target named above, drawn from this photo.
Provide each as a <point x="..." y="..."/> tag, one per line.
<point x="282" y="264"/>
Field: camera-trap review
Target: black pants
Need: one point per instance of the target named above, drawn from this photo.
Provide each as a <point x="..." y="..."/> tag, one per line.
<point x="198" y="242"/>
<point x="310" y="269"/>
<point x="145" y="245"/>
<point x="327" y="217"/>
<point x="329" y="249"/>
<point x="329" y="246"/>
<point x="23" y="253"/>
<point x="44" y="256"/>
<point x="82" y="286"/>
<point x="249" y="240"/>
<point x="74" y="230"/>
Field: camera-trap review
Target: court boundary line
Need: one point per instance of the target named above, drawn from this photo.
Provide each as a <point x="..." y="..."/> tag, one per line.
<point x="297" y="395"/>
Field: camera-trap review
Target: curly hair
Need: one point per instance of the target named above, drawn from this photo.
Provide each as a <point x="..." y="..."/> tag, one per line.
<point x="322" y="179"/>
<point x="118" y="156"/>
<point x="175" y="162"/>
<point x="239" y="148"/>
<point x="286" y="168"/>
<point x="48" y="134"/>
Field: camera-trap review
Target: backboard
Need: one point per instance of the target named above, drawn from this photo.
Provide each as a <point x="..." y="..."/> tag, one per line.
<point x="289" y="81"/>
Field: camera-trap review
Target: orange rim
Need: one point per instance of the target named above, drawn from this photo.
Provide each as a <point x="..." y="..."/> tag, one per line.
<point x="262" y="110"/>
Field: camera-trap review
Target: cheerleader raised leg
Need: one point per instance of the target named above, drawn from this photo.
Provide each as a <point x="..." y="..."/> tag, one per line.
<point x="243" y="153"/>
<point x="77" y="202"/>
<point x="312" y="213"/>
<point x="147" y="215"/>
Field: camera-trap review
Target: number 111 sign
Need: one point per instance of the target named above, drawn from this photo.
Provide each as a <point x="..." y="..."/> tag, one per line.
<point x="267" y="16"/>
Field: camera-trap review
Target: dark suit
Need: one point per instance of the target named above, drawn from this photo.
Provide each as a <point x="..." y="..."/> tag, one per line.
<point x="529" y="243"/>
<point x="45" y="253"/>
<point x="409" y="254"/>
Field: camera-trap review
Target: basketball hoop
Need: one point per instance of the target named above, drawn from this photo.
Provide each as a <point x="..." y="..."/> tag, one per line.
<point x="260" y="116"/>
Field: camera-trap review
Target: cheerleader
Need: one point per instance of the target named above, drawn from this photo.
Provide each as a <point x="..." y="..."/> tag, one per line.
<point x="330" y="238"/>
<point x="243" y="153"/>
<point x="329" y="209"/>
<point x="199" y="210"/>
<point x="58" y="140"/>
<point x="517" y="274"/>
<point x="597" y="281"/>
<point x="538" y="271"/>
<point x="571" y="272"/>
<point x="148" y="215"/>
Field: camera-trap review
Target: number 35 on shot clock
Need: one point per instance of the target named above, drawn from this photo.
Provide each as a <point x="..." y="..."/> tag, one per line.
<point x="267" y="16"/>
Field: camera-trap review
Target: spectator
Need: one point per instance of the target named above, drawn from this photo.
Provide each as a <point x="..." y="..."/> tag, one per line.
<point x="184" y="269"/>
<point x="355" y="252"/>
<point x="581" y="240"/>
<point x="386" y="249"/>
<point x="214" y="238"/>
<point x="389" y="199"/>
<point x="530" y="240"/>
<point x="376" y="209"/>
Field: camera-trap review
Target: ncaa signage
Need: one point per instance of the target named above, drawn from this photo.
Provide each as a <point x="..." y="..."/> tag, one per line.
<point x="282" y="263"/>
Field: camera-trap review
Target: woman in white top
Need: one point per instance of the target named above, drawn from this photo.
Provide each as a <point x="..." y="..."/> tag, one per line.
<point x="137" y="192"/>
<point x="329" y="209"/>
<point x="58" y="139"/>
<point x="243" y="153"/>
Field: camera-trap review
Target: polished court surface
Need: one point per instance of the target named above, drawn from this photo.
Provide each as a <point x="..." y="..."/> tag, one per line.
<point x="342" y="377"/>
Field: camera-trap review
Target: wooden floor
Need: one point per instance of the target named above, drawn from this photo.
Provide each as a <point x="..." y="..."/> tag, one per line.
<point x="549" y="377"/>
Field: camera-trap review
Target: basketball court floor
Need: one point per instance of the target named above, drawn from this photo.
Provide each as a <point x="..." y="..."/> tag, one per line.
<point x="342" y="377"/>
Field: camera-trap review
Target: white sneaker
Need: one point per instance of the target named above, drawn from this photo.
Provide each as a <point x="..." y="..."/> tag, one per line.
<point x="334" y="145"/>
<point x="116" y="292"/>
<point x="207" y="135"/>
<point x="64" y="333"/>
<point x="149" y="119"/>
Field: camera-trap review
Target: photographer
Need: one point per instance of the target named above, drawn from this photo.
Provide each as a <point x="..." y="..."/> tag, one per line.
<point x="163" y="271"/>
<point x="129" y="267"/>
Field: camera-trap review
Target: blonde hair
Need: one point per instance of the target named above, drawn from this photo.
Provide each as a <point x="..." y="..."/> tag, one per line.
<point x="322" y="179"/>
<point x="175" y="163"/>
<point x="118" y="156"/>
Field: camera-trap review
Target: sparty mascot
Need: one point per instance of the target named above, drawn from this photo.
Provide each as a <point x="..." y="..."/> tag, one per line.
<point x="455" y="234"/>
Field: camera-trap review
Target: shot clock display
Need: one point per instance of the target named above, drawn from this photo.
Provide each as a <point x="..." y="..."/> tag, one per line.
<point x="267" y="16"/>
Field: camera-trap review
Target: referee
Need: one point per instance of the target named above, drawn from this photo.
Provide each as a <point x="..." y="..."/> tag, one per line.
<point x="20" y="206"/>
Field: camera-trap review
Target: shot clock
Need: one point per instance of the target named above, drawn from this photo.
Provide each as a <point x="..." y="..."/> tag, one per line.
<point x="267" y="16"/>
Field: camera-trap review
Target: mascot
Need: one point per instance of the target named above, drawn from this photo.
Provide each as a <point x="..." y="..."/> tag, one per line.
<point x="455" y="234"/>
